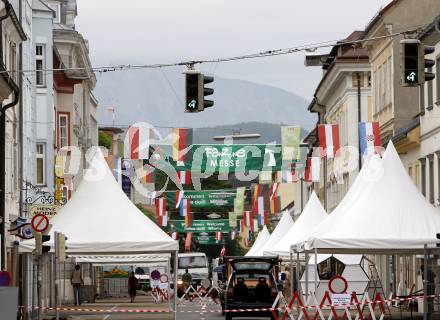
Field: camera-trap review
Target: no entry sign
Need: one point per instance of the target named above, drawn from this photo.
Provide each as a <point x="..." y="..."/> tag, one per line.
<point x="40" y="223"/>
<point x="5" y="279"/>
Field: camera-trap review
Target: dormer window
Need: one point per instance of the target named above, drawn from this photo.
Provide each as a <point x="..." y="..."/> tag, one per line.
<point x="56" y="7"/>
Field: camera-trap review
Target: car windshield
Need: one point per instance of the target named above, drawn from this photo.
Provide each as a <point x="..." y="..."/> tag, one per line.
<point x="251" y="265"/>
<point x="192" y="262"/>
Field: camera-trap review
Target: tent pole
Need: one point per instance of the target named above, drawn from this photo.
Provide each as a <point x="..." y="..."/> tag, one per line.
<point x="425" y="283"/>
<point x="291" y="272"/>
<point x="307" y="274"/>
<point x="316" y="271"/>
<point x="175" y="285"/>
<point x="298" y="282"/>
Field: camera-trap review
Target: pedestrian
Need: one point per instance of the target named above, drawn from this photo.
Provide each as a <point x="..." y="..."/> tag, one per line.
<point x="77" y="281"/>
<point x="187" y="280"/>
<point x="132" y="286"/>
<point x="287" y="282"/>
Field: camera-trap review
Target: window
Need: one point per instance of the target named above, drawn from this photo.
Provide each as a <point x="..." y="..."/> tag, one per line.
<point x="431" y="178"/>
<point x="430" y="85"/>
<point x="63" y="130"/>
<point x="56" y="8"/>
<point x="41" y="163"/>
<point x="423" y="176"/>
<point x="39" y="65"/>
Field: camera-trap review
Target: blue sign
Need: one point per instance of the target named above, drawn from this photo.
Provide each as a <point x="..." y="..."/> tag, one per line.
<point x="5" y="279"/>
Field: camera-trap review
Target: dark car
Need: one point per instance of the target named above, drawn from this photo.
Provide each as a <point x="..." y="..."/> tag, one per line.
<point x="251" y="285"/>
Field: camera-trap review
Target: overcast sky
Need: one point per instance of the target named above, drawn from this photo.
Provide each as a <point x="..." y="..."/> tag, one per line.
<point x="162" y="31"/>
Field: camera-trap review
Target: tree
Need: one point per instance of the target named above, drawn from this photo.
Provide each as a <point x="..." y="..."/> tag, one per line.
<point x="105" y="140"/>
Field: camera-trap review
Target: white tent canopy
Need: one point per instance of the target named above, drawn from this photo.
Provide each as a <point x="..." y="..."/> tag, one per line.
<point x="262" y="238"/>
<point x="100" y="219"/>
<point x="283" y="226"/>
<point x="384" y="213"/>
<point x="311" y="216"/>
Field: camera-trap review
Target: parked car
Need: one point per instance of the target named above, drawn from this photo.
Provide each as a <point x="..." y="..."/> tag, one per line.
<point x="251" y="284"/>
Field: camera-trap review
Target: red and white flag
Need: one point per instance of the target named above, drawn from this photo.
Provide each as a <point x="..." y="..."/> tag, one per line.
<point x="222" y="251"/>
<point x="328" y="135"/>
<point x="274" y="189"/>
<point x="288" y="176"/>
<point x="178" y="197"/>
<point x="138" y="142"/>
<point x="161" y="206"/>
<point x="218" y="236"/>
<point x="184" y="177"/>
<point x="174" y="235"/>
<point x="313" y="169"/>
<point x="163" y="220"/>
<point x="248" y="218"/>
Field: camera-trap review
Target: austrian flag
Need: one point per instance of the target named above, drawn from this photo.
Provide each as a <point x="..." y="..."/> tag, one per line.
<point x="161" y="207"/>
<point x="138" y="142"/>
<point x="184" y="177"/>
<point x="218" y="236"/>
<point x="369" y="138"/>
<point x="248" y="218"/>
<point x="163" y="220"/>
<point x="328" y="135"/>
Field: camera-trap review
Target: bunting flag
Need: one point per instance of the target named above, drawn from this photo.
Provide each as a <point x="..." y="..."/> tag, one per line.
<point x="147" y="172"/>
<point x="185" y="208"/>
<point x="288" y="176"/>
<point x="254" y="227"/>
<point x="188" y="219"/>
<point x="184" y="177"/>
<point x="290" y="141"/>
<point x="328" y="135"/>
<point x="275" y="205"/>
<point x="174" y="235"/>
<point x="262" y="218"/>
<point x="248" y="218"/>
<point x="274" y="189"/>
<point x="223" y="251"/>
<point x="233" y="234"/>
<point x="188" y="242"/>
<point x="178" y="198"/>
<point x="257" y="191"/>
<point x="218" y="236"/>
<point x="163" y="220"/>
<point x="161" y="206"/>
<point x="242" y="226"/>
<point x="260" y="205"/>
<point x="138" y="142"/>
<point x="369" y="138"/>
<point x="182" y="139"/>
<point x="313" y="169"/>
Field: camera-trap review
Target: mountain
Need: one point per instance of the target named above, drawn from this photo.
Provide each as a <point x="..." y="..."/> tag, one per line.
<point x="156" y="96"/>
<point x="269" y="132"/>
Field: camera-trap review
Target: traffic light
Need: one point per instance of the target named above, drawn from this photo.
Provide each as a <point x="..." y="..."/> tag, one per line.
<point x="39" y="240"/>
<point x="414" y="62"/>
<point x="410" y="62"/>
<point x="60" y="246"/>
<point x="192" y="92"/>
<point x="195" y="91"/>
<point x="204" y="80"/>
<point x="427" y="63"/>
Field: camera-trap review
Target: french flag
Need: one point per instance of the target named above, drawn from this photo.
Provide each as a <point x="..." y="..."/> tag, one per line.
<point x="184" y="177"/>
<point x="161" y="207"/>
<point x="178" y="198"/>
<point x="369" y="138"/>
<point x="185" y="208"/>
<point x="328" y="135"/>
<point x="218" y="236"/>
<point x="138" y="142"/>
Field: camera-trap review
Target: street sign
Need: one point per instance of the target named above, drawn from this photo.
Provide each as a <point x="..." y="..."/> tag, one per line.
<point x="200" y="226"/>
<point x="48" y="210"/>
<point x="155" y="274"/>
<point x="5" y="279"/>
<point x="40" y="223"/>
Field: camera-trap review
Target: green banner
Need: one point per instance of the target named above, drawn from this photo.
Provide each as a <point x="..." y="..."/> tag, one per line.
<point x="199" y="226"/>
<point x="207" y="240"/>
<point x="233" y="219"/>
<point x="221" y="158"/>
<point x="207" y="198"/>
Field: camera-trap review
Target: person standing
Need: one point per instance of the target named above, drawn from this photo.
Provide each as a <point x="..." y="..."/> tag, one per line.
<point x="132" y="286"/>
<point x="77" y="282"/>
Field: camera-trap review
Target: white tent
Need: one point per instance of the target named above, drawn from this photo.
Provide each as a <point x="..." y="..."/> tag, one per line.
<point x="385" y="213"/>
<point x="311" y="216"/>
<point x="100" y="219"/>
<point x="283" y="226"/>
<point x="262" y="238"/>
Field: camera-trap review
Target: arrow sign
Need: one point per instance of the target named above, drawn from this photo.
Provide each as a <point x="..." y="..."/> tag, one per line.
<point x="5" y="279"/>
<point x="40" y="223"/>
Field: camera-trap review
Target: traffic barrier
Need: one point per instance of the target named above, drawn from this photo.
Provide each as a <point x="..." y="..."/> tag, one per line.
<point x="287" y="310"/>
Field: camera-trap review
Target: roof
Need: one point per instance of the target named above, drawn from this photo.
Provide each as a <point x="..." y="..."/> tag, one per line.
<point x="284" y="225"/>
<point x="379" y="15"/>
<point x="312" y="215"/>
<point x="383" y="212"/>
<point x="262" y="237"/>
<point x="100" y="219"/>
